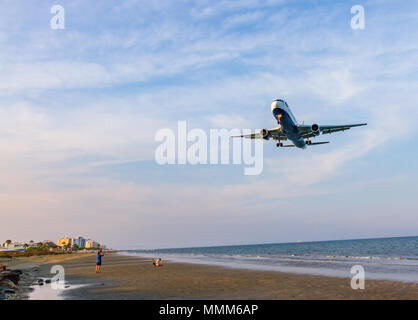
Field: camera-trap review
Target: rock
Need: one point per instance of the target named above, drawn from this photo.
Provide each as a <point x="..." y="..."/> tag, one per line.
<point x="10" y="275"/>
<point x="6" y="283"/>
<point x="9" y="291"/>
<point x="3" y="267"/>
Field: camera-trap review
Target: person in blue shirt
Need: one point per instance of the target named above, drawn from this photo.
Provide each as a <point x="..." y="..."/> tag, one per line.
<point x="99" y="256"/>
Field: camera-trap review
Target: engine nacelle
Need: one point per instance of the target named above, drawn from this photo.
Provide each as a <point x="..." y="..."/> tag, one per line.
<point x="265" y="134"/>
<point x="315" y="129"/>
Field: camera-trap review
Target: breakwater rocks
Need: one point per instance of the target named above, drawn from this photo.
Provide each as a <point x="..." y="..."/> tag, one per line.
<point x="15" y="284"/>
<point x="9" y="280"/>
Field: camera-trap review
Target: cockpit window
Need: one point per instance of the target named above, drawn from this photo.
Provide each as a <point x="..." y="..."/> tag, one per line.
<point x="281" y="103"/>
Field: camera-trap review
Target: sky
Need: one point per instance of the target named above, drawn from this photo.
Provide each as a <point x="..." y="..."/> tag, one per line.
<point x="80" y="107"/>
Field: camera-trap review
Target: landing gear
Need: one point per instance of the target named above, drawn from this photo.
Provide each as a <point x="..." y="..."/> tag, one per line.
<point x="308" y="142"/>
<point x="279" y="144"/>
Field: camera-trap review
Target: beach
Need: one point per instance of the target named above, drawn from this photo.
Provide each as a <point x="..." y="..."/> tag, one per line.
<point x="134" y="277"/>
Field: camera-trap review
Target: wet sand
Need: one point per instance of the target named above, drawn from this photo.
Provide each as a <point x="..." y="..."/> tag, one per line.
<point x="126" y="277"/>
<point x="34" y="268"/>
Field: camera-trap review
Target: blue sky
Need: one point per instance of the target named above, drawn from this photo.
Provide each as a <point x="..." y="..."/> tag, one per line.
<point x="79" y="109"/>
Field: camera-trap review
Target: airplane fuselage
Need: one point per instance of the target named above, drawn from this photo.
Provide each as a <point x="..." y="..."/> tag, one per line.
<point x="288" y="123"/>
<point x="289" y="129"/>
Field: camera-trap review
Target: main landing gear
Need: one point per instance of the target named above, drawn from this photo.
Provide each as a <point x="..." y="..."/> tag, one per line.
<point x="279" y="144"/>
<point x="308" y="142"/>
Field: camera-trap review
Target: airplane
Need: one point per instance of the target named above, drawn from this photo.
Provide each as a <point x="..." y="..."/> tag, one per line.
<point x="289" y="129"/>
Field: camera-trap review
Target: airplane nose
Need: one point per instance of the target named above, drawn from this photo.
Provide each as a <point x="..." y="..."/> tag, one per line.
<point x="273" y="105"/>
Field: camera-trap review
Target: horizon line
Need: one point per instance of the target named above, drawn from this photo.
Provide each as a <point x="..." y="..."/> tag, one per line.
<point x="268" y="243"/>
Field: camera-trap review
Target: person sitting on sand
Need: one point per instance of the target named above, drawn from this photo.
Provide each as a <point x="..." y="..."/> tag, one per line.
<point x="99" y="260"/>
<point x="157" y="262"/>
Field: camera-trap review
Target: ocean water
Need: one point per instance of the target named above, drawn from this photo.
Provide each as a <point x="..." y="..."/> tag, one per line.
<point x="382" y="258"/>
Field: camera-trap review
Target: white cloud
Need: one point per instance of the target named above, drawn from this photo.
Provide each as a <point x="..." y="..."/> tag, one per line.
<point x="54" y="132"/>
<point x="333" y="85"/>
<point x="243" y="19"/>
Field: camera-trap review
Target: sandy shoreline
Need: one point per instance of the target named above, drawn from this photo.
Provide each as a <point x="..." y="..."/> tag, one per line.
<point x="34" y="268"/>
<point x="128" y="277"/>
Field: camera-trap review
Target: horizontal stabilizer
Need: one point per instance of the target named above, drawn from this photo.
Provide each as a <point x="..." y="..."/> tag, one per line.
<point x="314" y="143"/>
<point x="288" y="145"/>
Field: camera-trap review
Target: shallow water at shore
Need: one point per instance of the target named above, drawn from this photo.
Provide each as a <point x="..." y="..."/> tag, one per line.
<point x="394" y="259"/>
<point x="48" y="292"/>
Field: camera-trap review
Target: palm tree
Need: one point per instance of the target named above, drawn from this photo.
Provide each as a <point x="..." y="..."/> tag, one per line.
<point x="7" y="242"/>
<point x="25" y="246"/>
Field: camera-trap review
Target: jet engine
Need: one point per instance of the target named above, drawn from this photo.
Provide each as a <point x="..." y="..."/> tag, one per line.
<point x="265" y="134"/>
<point x="315" y="129"/>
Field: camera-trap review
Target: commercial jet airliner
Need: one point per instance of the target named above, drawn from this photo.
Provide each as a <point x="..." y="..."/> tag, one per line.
<point x="289" y="129"/>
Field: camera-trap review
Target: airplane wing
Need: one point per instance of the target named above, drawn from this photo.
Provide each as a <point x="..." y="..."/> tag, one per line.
<point x="274" y="133"/>
<point x="307" y="132"/>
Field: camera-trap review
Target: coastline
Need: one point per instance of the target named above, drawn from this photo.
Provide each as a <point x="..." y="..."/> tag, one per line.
<point x="33" y="268"/>
<point x="134" y="277"/>
<point x="298" y="265"/>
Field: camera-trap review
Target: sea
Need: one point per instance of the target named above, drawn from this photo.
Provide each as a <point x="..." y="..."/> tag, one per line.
<point x="393" y="259"/>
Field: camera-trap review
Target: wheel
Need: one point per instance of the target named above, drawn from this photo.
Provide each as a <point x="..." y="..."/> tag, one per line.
<point x="279" y="144"/>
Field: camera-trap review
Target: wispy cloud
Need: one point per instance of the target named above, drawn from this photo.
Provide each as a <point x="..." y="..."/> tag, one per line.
<point x="76" y="102"/>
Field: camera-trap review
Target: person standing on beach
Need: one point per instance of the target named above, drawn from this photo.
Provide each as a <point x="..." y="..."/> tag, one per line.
<point x="99" y="256"/>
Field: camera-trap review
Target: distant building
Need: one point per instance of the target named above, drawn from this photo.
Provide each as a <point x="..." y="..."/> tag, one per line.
<point x="14" y="246"/>
<point x="62" y="242"/>
<point x="80" y="242"/>
<point x="91" y="244"/>
<point x="48" y="243"/>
